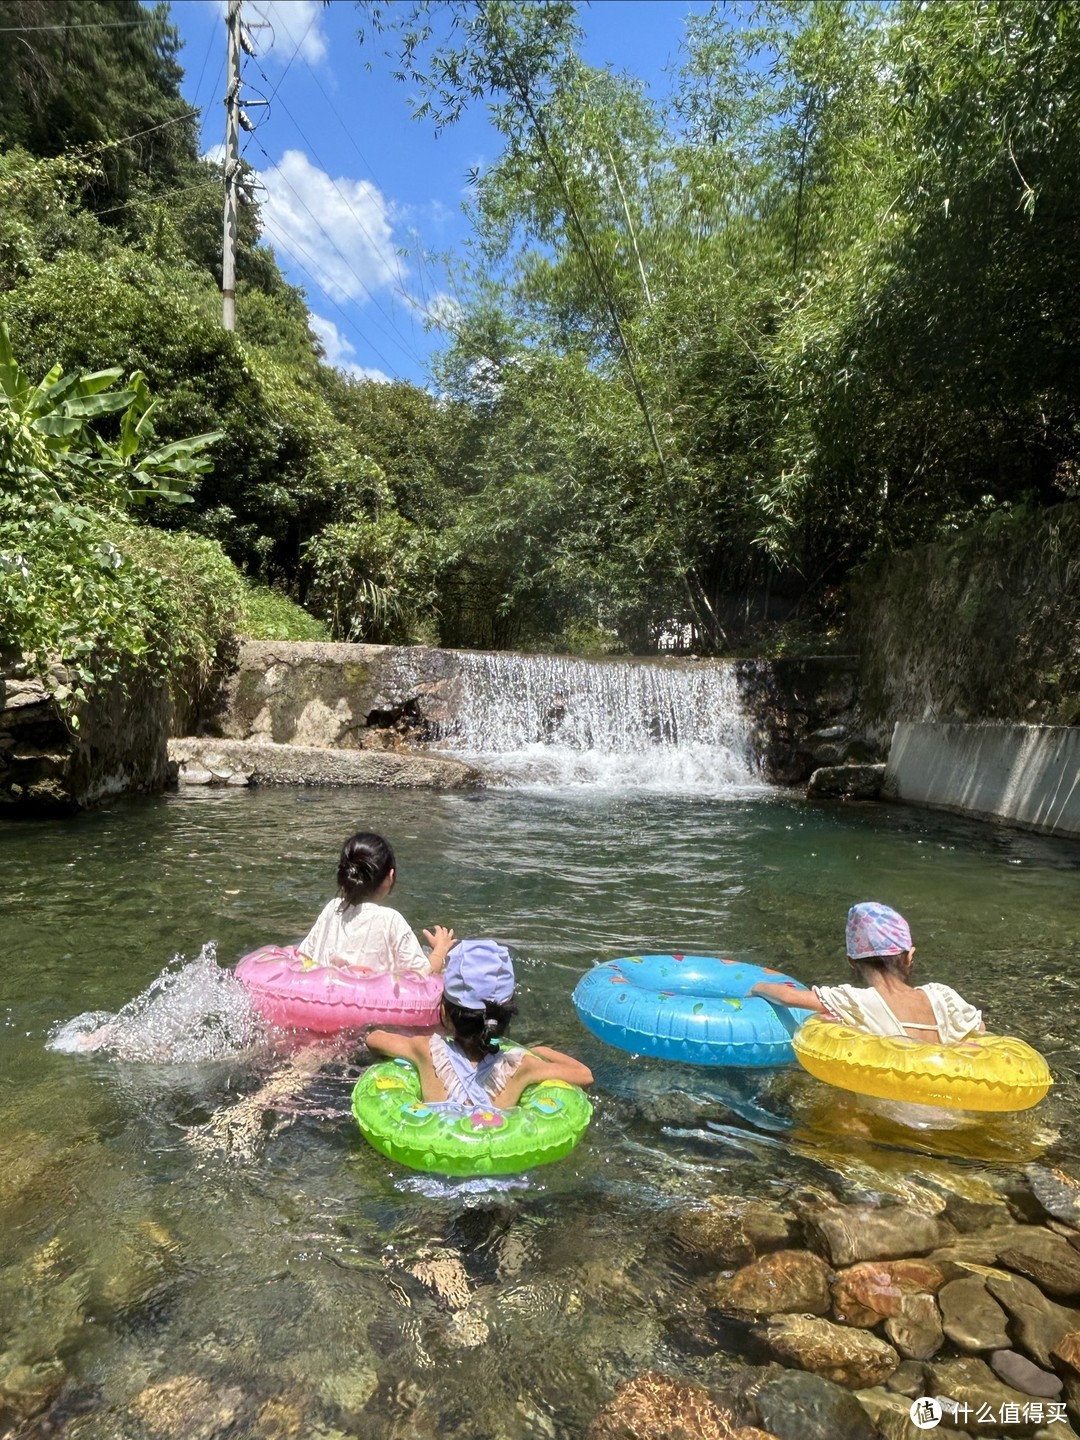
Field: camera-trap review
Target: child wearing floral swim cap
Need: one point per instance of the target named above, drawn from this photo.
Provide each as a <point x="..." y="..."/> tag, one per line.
<point x="881" y="953"/>
<point x="463" y="1064"/>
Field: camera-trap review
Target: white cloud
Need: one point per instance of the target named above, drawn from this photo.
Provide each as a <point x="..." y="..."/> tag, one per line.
<point x="339" y="350"/>
<point x="216" y="153"/>
<point x="296" y="23"/>
<point x="339" y="230"/>
<point x="444" y="312"/>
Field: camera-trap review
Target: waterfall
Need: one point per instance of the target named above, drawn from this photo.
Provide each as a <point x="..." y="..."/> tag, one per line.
<point x="552" y="720"/>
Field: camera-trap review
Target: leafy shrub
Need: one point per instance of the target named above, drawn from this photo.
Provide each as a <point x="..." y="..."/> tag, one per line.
<point x="268" y="615"/>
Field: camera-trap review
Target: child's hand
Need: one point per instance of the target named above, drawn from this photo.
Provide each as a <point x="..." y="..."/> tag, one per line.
<point x="441" y="941"/>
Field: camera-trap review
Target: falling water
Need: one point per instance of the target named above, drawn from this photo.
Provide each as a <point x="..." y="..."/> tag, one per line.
<point x="548" y="719"/>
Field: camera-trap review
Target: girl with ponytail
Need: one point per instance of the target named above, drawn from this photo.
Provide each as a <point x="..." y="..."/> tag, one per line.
<point x="466" y="1066"/>
<point x="358" y="931"/>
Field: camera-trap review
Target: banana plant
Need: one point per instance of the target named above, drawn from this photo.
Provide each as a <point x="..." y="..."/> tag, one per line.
<point x="62" y="449"/>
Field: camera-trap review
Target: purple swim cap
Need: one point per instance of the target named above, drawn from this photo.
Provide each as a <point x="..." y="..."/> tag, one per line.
<point x="479" y="972"/>
<point x="875" y="930"/>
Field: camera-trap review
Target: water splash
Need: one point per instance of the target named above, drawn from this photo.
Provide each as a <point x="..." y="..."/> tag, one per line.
<point x="193" y="1011"/>
<point x="550" y="720"/>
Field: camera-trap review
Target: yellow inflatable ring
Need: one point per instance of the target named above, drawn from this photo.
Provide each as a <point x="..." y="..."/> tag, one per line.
<point x="983" y="1072"/>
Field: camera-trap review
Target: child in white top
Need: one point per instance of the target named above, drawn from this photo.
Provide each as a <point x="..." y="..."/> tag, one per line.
<point x="356" y="931"/>
<point x="466" y="1067"/>
<point x="881" y="953"/>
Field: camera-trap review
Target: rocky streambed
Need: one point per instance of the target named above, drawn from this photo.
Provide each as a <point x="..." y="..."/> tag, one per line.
<point x="793" y="1316"/>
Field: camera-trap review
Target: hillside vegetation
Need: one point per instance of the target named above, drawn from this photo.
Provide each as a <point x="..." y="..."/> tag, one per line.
<point x="712" y="355"/>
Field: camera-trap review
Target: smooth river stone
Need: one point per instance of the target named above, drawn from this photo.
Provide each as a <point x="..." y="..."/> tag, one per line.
<point x="971" y="1382"/>
<point x="1039" y="1322"/>
<point x="799" y="1406"/>
<point x="848" y="1357"/>
<point x="1067" y="1350"/>
<point x="785" y="1282"/>
<point x="909" y="1379"/>
<point x="1018" y="1371"/>
<point x="891" y="1413"/>
<point x="981" y="1248"/>
<point x="654" y="1406"/>
<point x="873" y="1290"/>
<point x="1057" y="1192"/>
<point x="850" y="1233"/>
<point x="915" y="1329"/>
<point x="971" y="1317"/>
<point x="732" y="1230"/>
<point x="1047" y="1259"/>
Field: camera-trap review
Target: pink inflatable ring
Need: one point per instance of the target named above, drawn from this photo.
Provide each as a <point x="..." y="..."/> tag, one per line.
<point x="290" y="991"/>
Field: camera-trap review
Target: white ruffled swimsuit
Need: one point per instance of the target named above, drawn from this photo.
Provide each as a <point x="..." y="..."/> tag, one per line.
<point x="866" y="1009"/>
<point x="467" y="1083"/>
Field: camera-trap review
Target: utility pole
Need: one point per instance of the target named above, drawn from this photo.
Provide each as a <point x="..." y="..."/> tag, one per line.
<point x="232" y="170"/>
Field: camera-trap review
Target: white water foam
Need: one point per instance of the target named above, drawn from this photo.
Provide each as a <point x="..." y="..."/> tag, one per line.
<point x="548" y="720"/>
<point x="193" y="1011"/>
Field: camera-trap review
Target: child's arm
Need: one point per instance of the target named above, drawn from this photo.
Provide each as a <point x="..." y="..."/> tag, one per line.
<point x="540" y="1064"/>
<point x="403" y="1047"/>
<point x="793" y="995"/>
<point x="441" y="942"/>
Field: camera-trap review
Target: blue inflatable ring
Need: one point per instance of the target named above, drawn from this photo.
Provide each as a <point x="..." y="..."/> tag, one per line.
<point x="688" y="1007"/>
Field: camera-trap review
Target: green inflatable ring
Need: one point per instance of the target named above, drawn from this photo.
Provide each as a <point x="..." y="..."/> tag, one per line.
<point x="545" y="1125"/>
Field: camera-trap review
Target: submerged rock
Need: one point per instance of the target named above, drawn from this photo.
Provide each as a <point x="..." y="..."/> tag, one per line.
<point x="785" y="1282"/>
<point x="915" y="1328"/>
<point x="1047" y="1259"/>
<point x="846" y="782"/>
<point x="732" y="1230"/>
<point x="1067" y="1350"/>
<point x="1039" y="1323"/>
<point x="796" y="1405"/>
<point x="1056" y="1191"/>
<point x="971" y="1317"/>
<point x="970" y="1382"/>
<point x="848" y="1357"/>
<point x="654" y="1406"/>
<point x="1018" y="1371"/>
<point x="891" y="1413"/>
<point x="188" y="1407"/>
<point x="27" y="1390"/>
<point x="873" y="1290"/>
<point x="850" y="1233"/>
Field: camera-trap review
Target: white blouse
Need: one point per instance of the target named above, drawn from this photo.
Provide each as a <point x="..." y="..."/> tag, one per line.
<point x="364" y="937"/>
<point x="867" y="1010"/>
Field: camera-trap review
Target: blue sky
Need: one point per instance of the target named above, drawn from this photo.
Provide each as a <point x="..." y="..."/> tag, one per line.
<point x="351" y="179"/>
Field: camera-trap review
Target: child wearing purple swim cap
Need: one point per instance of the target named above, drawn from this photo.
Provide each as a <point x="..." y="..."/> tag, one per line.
<point x="463" y="1065"/>
<point x="880" y="952"/>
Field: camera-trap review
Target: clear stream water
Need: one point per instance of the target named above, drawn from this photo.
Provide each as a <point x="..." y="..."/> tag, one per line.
<point x="164" y="1224"/>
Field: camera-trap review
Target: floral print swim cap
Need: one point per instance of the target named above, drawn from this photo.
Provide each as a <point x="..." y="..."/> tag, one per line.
<point x="875" y="930"/>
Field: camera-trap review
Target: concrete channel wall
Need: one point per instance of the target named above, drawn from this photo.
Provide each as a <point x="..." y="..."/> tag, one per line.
<point x="1025" y="775"/>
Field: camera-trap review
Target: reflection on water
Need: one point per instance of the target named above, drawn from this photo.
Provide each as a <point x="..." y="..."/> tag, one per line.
<point x="191" y="1220"/>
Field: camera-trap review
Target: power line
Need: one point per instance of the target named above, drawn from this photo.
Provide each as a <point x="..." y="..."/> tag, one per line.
<point x="126" y="139"/>
<point x="202" y="71"/>
<point x="363" y="158"/>
<point x="294" y="246"/>
<point x="348" y="264"/>
<point x="292" y="57"/>
<point x="345" y="200"/>
<point x="153" y="199"/>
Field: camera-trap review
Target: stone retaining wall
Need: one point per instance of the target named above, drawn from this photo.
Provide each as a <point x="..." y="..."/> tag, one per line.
<point x="1026" y="775"/>
<point x="49" y="767"/>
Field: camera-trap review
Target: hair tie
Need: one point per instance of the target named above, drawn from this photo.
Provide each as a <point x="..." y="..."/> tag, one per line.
<point x="490" y="1026"/>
